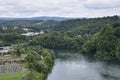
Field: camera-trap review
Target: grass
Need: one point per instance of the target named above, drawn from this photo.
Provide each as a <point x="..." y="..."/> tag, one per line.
<point x="25" y="64"/>
<point x="36" y="76"/>
<point x="13" y="57"/>
<point x="6" y="57"/>
<point x="15" y="76"/>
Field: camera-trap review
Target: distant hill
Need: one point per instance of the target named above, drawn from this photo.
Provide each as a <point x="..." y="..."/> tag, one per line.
<point x="45" y="18"/>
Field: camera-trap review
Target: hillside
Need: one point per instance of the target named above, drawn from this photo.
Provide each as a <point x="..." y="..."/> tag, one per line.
<point x="45" y="18"/>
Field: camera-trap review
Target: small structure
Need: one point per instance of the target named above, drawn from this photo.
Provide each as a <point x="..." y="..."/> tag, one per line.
<point x="26" y="29"/>
<point x="33" y="33"/>
<point x="15" y="27"/>
<point x="4" y="50"/>
<point x="42" y="32"/>
<point x="28" y="34"/>
<point x="4" y="28"/>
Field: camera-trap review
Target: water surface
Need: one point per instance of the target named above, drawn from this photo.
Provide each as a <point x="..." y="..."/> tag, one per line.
<point x="76" y="67"/>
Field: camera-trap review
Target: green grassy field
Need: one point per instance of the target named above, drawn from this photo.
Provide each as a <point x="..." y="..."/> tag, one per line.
<point x="15" y="76"/>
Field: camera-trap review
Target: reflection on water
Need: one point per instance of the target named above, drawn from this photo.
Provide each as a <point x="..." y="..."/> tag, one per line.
<point x="78" y="68"/>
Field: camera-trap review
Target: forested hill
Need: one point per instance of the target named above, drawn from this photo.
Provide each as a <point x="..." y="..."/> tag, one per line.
<point x="45" y="18"/>
<point x="105" y="44"/>
<point x="97" y="36"/>
<point x="19" y="23"/>
<point x="89" y="24"/>
<point x="84" y="25"/>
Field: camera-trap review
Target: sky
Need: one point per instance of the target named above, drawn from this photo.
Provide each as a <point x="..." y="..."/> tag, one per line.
<point x="59" y="8"/>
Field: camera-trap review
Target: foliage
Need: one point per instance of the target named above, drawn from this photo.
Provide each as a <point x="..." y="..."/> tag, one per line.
<point x="106" y="45"/>
<point x="40" y="59"/>
<point x="15" y="76"/>
<point x="99" y="37"/>
<point x="58" y="40"/>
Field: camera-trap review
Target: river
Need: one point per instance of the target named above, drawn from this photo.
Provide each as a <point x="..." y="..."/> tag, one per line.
<point x="77" y="67"/>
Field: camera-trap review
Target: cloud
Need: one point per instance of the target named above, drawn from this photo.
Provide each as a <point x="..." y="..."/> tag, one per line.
<point x="102" y="4"/>
<point x="64" y="8"/>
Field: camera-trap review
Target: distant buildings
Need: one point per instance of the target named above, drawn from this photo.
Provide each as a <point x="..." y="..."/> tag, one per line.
<point x="42" y="32"/>
<point x="4" y="28"/>
<point x="15" y="27"/>
<point x="33" y="33"/>
<point x="26" y="29"/>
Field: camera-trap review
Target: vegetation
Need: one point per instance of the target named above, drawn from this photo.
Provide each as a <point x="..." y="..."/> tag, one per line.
<point x="58" y="40"/>
<point x="11" y="36"/>
<point x="99" y="37"/>
<point x="39" y="61"/>
<point x="105" y="44"/>
<point x="15" y="76"/>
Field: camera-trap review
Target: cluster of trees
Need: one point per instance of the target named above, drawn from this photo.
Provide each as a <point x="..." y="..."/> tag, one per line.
<point x="19" y="23"/>
<point x="38" y="60"/>
<point x="12" y="36"/>
<point x="105" y="44"/>
<point x="92" y="25"/>
<point x="57" y="40"/>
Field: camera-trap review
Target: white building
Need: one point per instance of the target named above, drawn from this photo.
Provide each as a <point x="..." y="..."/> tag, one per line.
<point x="28" y="34"/>
<point x="26" y="29"/>
<point x="33" y="33"/>
<point x="41" y="32"/>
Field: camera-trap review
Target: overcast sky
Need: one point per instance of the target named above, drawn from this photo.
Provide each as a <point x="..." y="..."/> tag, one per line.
<point x="60" y="8"/>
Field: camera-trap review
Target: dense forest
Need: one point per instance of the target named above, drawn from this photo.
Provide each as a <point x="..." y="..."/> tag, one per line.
<point x="105" y="44"/>
<point x="99" y="37"/>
